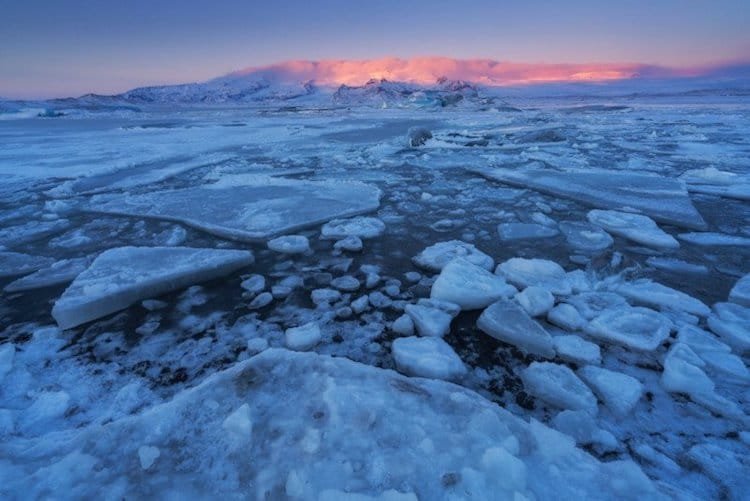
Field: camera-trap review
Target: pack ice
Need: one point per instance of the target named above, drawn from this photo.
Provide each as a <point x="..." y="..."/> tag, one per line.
<point x="367" y="433"/>
<point x="122" y="276"/>
<point x="247" y="208"/>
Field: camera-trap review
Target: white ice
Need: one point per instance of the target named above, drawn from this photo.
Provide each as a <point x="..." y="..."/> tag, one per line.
<point x="289" y="244"/>
<point x="577" y="350"/>
<point x="429" y="357"/>
<point x="559" y="386"/>
<point x="636" y="227"/>
<point x="619" y="392"/>
<point x="650" y="293"/>
<point x="13" y="263"/>
<point x="508" y="322"/>
<point x="732" y="323"/>
<point x="436" y="256"/>
<point x="123" y="276"/>
<point x="637" y="328"/>
<point x="469" y="286"/>
<point x="360" y="227"/>
<point x="585" y="237"/>
<point x="543" y="273"/>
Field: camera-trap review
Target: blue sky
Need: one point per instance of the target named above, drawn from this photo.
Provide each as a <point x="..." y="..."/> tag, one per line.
<point x="69" y="47"/>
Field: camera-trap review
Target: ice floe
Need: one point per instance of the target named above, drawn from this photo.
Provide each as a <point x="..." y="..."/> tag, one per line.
<point x="360" y="227"/>
<point x="635" y="227"/>
<point x="302" y="338"/>
<point x="123" y="276"/>
<point x="13" y="264"/>
<point x="58" y="273"/>
<point x="508" y="322"/>
<point x="585" y="237"/>
<point x="429" y="320"/>
<point x="535" y="300"/>
<point x="469" y="286"/>
<point x="663" y="199"/>
<point x="252" y="208"/>
<point x="635" y="327"/>
<point x="712" y="239"/>
<point x="650" y="293"/>
<point x="576" y="349"/>
<point x="289" y="244"/>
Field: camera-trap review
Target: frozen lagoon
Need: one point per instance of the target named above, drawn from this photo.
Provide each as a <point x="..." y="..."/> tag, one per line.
<point x="140" y="365"/>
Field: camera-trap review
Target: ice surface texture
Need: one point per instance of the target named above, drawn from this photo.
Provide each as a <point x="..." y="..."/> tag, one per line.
<point x="120" y="277"/>
<point x="353" y="428"/>
<point x="249" y="208"/>
<point x="663" y="199"/>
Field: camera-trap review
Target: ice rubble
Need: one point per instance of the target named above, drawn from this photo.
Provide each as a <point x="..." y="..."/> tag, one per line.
<point x="436" y="256"/>
<point x="507" y="322"/>
<point x="248" y="208"/>
<point x="635" y="227"/>
<point x="360" y="430"/>
<point x="535" y="300"/>
<point x="122" y="276"/>
<point x="663" y="199"/>
<point x="558" y="385"/>
<point x="429" y="357"/>
<point x="469" y="286"/>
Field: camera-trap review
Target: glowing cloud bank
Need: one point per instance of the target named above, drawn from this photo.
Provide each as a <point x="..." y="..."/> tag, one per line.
<point x="426" y="70"/>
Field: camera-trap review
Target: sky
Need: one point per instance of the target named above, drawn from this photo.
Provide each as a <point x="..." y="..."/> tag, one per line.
<point x="56" y="48"/>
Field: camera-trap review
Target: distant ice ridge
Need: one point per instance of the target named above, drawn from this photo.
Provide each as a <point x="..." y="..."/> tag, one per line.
<point x="663" y="199"/>
<point x="122" y="276"/>
<point x="248" y="208"/>
<point x="354" y="430"/>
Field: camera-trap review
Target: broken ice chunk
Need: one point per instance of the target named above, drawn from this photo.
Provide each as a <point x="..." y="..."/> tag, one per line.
<point x="585" y="237"/>
<point x="576" y="349"/>
<point x="436" y="256"/>
<point x="123" y="276"/>
<point x="566" y="316"/>
<point x="535" y="300"/>
<point x="558" y="385"/>
<point x="58" y="273"/>
<point x="429" y="357"/>
<point x="635" y="227"/>
<point x="13" y="264"/>
<point x="507" y="322"/>
<point x="469" y="286"/>
<point x="732" y="323"/>
<point x="302" y="338"/>
<point x="740" y="293"/>
<point x="361" y="227"/>
<point x="618" y="391"/>
<point x="289" y="244"/>
<point x="509" y="232"/>
<point x="523" y="273"/>
<point x="429" y="321"/>
<point x="650" y="293"/>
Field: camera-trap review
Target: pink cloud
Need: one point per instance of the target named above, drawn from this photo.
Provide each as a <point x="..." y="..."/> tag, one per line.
<point x="423" y="70"/>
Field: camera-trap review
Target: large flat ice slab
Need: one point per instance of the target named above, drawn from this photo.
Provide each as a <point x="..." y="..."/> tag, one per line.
<point x="663" y="199"/>
<point x="368" y="431"/>
<point x="122" y="276"/>
<point x="247" y="208"/>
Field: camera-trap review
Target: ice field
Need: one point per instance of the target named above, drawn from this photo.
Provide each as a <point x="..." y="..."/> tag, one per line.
<point x="517" y="298"/>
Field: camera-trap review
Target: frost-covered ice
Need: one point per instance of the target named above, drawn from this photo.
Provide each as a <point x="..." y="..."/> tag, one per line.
<point x="637" y="328"/>
<point x="123" y="276"/>
<point x="635" y="227"/>
<point x="469" y="286"/>
<point x="429" y="357"/>
<point x="436" y="256"/>
<point x="247" y="208"/>
<point x="507" y="322"/>
<point x="211" y="438"/>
